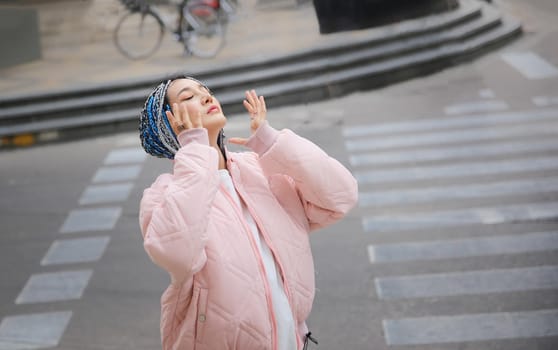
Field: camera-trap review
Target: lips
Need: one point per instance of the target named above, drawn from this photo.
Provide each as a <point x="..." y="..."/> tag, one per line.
<point x="212" y="109"/>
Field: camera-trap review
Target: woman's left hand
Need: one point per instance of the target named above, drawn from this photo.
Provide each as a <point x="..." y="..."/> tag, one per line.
<point x="255" y="105"/>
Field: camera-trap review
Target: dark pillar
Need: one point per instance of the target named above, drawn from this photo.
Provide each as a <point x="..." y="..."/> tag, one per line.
<point x="342" y="15"/>
<point x="19" y="36"/>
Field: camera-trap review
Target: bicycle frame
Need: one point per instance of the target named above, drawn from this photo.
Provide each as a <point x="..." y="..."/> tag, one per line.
<point x="198" y="23"/>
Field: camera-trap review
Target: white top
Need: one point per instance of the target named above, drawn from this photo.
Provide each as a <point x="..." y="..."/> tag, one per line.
<point x="283" y="314"/>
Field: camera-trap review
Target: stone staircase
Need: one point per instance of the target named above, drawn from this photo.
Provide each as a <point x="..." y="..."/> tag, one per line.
<point x="396" y="53"/>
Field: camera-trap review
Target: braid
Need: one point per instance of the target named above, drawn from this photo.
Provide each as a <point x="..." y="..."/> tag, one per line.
<point x="156" y="134"/>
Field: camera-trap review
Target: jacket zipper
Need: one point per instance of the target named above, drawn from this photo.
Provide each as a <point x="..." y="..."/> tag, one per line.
<point x="281" y="269"/>
<point x="261" y="266"/>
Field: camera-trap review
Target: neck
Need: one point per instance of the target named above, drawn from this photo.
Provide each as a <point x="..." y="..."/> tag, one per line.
<point x="222" y="163"/>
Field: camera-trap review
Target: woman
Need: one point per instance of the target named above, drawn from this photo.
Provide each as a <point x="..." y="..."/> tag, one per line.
<point x="232" y="228"/>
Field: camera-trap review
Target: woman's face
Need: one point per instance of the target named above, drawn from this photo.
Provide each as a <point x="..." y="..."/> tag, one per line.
<point x="198" y="99"/>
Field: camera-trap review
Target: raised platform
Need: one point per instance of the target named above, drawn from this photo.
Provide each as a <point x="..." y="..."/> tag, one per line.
<point x="383" y="56"/>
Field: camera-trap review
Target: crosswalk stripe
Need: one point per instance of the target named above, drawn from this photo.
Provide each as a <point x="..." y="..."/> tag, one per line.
<point x="456" y="170"/>
<point x="380" y="198"/>
<point x="468" y="121"/>
<point x="95" y="194"/>
<point x="450" y="137"/>
<point x="474" y="327"/>
<point x="54" y="286"/>
<point x="487" y="93"/>
<point x="33" y="331"/>
<point x="125" y="156"/>
<point x="483" y="215"/>
<point x="452" y="153"/>
<point x="93" y="219"/>
<point x="476" y="107"/>
<point x="77" y="250"/>
<point x="129" y="139"/>
<point x="468" y="283"/>
<point x="463" y="248"/>
<point x="117" y="173"/>
<point x="530" y="65"/>
<point x="545" y="101"/>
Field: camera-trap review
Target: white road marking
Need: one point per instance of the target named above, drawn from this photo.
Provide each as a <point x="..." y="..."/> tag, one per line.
<point x="445" y="218"/>
<point x="117" y="173"/>
<point x="475" y="327"/>
<point x="415" y="156"/>
<point x="76" y="250"/>
<point x="468" y="283"/>
<point x="379" y="198"/>
<point x="449" y="137"/>
<point x="94" y="219"/>
<point x="129" y="140"/>
<point x="125" y="156"/>
<point x="530" y="65"/>
<point x="54" y="286"/>
<point x="486" y="93"/>
<point x="456" y="170"/>
<point x="545" y="101"/>
<point x="33" y="331"/>
<point x="96" y="194"/>
<point x="476" y="107"/>
<point x="468" y="121"/>
<point x="463" y="248"/>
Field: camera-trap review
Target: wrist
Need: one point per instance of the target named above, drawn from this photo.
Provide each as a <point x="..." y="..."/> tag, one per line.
<point x="263" y="138"/>
<point x="198" y="135"/>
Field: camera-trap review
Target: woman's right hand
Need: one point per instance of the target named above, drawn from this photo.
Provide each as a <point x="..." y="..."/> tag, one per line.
<point x="181" y="120"/>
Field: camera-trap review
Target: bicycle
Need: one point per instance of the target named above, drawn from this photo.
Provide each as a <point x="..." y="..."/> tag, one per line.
<point x="201" y="28"/>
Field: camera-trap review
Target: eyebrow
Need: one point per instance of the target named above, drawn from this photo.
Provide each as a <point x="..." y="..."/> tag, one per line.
<point x="189" y="88"/>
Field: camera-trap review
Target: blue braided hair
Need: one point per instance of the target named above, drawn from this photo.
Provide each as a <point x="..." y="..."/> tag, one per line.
<point x="156" y="134"/>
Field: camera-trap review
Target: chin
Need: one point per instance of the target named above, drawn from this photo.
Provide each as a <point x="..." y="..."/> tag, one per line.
<point x="214" y="122"/>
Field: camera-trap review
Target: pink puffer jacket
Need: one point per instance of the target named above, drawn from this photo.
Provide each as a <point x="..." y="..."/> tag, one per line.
<point x="219" y="296"/>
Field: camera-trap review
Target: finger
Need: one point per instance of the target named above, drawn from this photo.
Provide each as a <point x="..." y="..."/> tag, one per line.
<point x="172" y="120"/>
<point x="248" y="106"/>
<point x="185" y="118"/>
<point x="251" y="99"/>
<point x="256" y="100"/>
<point x="262" y="101"/>
<point x="176" y="113"/>
<point x="197" y="120"/>
<point x="177" y="125"/>
<point x="238" y="141"/>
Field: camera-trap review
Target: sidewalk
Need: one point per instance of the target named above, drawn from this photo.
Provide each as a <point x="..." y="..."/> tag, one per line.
<point x="256" y="33"/>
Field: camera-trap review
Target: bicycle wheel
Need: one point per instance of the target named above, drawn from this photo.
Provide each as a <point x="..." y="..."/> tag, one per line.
<point x="203" y="31"/>
<point x="139" y="34"/>
<point x="229" y="6"/>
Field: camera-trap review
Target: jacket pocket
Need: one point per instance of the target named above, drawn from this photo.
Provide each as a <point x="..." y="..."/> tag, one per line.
<point x="201" y="317"/>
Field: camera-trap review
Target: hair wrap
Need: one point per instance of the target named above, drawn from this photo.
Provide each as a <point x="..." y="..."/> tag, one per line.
<point x="156" y="135"/>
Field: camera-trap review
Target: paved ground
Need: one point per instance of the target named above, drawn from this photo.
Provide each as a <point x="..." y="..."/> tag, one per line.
<point x="256" y="33"/>
<point x="453" y="246"/>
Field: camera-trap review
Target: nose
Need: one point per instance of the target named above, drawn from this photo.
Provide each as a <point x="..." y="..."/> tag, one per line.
<point x="207" y="98"/>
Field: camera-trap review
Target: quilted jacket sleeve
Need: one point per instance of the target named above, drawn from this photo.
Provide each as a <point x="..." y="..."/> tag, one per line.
<point x="174" y="210"/>
<point x="327" y="189"/>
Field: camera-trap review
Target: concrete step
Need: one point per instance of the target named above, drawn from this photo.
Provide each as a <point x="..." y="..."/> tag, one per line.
<point x="454" y="27"/>
<point x="419" y="47"/>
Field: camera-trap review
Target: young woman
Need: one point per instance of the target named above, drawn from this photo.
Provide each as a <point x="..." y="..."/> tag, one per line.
<point x="231" y="228"/>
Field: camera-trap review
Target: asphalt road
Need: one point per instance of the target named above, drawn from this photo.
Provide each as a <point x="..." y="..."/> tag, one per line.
<point x="454" y="244"/>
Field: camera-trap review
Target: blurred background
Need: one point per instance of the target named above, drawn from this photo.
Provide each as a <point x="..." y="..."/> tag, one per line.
<point x="446" y="112"/>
